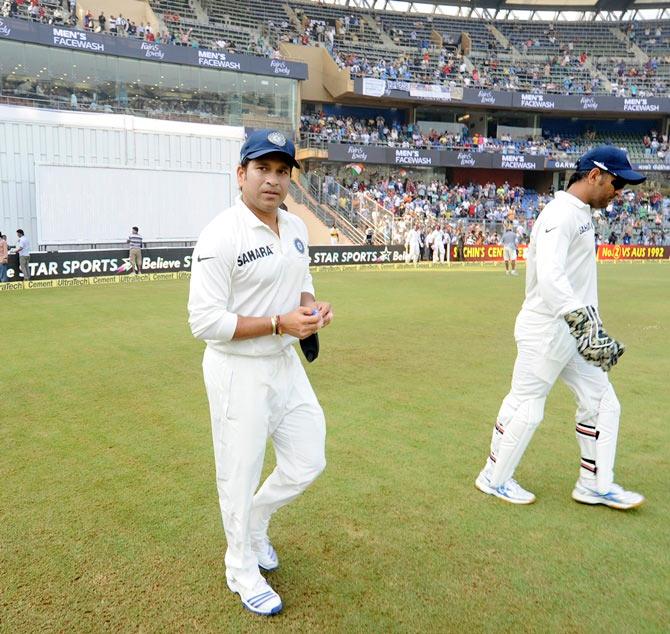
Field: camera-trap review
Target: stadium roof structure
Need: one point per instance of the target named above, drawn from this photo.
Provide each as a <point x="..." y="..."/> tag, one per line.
<point x="550" y="10"/>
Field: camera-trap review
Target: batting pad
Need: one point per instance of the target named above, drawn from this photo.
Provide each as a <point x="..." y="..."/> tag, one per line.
<point x="607" y="426"/>
<point x="515" y="439"/>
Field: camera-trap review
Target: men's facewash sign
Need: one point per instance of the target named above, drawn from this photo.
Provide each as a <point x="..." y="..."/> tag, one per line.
<point x="65" y="37"/>
<point x="77" y="39"/>
<point x="418" y="157"/>
<point x="539" y="102"/>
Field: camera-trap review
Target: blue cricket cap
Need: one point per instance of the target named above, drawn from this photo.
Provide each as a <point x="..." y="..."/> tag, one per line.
<point x="262" y="142"/>
<point x="610" y="159"/>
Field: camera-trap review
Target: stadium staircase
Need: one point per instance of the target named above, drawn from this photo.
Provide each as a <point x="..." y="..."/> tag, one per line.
<point x="200" y="14"/>
<point x="304" y="194"/>
<point x="383" y="36"/>
<point x="292" y="17"/>
<point x="639" y="55"/>
<point x="317" y="231"/>
<point x="500" y="38"/>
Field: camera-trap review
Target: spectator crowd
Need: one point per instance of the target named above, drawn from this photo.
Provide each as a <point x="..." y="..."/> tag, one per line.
<point x="478" y="212"/>
<point x="318" y="128"/>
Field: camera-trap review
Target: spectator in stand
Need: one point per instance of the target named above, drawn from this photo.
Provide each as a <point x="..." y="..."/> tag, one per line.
<point x="22" y="249"/>
<point x="334" y="235"/>
<point x="509" y="242"/>
<point x="135" y="245"/>
<point x="4" y="258"/>
<point x="102" y="21"/>
<point x="184" y="36"/>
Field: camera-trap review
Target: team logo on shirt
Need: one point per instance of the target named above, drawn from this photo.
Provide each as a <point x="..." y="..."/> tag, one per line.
<point x="300" y="245"/>
<point x="254" y="254"/>
<point x="585" y="227"/>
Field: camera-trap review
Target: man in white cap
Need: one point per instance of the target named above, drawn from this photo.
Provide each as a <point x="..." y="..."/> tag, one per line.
<point x="559" y="333"/>
<point x="251" y="298"/>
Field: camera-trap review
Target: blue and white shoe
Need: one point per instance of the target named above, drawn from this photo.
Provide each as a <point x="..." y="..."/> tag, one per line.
<point x="510" y="491"/>
<point x="266" y="555"/>
<point x="617" y="497"/>
<point x="261" y="599"/>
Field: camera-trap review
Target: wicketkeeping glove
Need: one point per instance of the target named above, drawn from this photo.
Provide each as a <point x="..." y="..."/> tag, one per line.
<point x="593" y="343"/>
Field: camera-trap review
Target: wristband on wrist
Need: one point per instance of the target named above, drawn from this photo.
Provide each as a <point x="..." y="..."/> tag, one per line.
<point x="273" y="322"/>
<point x="279" y="330"/>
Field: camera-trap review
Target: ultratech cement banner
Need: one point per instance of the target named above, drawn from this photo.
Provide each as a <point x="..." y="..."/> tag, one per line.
<point x="405" y="91"/>
<point x="84" y="264"/>
<point x="431" y="158"/>
<point x="66" y="37"/>
<point x="632" y="252"/>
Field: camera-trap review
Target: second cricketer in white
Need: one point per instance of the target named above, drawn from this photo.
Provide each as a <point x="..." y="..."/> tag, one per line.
<point x="559" y="335"/>
<point x="251" y="299"/>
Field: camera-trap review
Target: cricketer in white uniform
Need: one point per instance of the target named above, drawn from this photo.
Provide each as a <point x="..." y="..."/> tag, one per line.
<point x="413" y="243"/>
<point x="559" y="334"/>
<point x="437" y="240"/>
<point x="251" y="299"/>
<point x="508" y="240"/>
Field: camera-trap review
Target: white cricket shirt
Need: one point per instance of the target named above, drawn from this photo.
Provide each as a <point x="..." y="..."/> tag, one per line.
<point x="241" y="267"/>
<point x="561" y="271"/>
<point x="413" y="238"/>
<point x="24" y="244"/>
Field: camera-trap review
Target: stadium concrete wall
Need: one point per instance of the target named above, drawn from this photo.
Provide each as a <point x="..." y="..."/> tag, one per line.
<point x="325" y="79"/>
<point x="33" y="137"/>
<point x="168" y="205"/>
<point x="138" y="11"/>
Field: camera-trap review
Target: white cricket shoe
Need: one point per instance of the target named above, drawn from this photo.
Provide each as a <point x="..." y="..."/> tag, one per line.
<point x="617" y="497"/>
<point x="266" y="555"/>
<point x="261" y="599"/>
<point x="510" y="491"/>
<point x="514" y="272"/>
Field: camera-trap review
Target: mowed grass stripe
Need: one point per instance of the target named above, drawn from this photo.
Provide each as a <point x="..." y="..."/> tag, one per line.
<point x="109" y="516"/>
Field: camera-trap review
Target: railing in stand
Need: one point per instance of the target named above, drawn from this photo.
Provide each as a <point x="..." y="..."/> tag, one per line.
<point x="306" y="195"/>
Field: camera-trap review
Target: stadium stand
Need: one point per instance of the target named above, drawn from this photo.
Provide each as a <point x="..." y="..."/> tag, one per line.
<point x="630" y="59"/>
<point x="480" y="210"/>
<point x="624" y="59"/>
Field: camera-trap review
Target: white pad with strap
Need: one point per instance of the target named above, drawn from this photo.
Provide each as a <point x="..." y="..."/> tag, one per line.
<point x="597" y="432"/>
<point x="515" y="438"/>
<point x="507" y="410"/>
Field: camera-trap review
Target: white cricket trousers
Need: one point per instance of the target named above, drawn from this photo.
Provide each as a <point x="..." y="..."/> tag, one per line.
<point x="251" y="398"/>
<point x="547" y="351"/>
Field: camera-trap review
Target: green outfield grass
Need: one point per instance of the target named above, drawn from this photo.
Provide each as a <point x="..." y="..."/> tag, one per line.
<point x="109" y="515"/>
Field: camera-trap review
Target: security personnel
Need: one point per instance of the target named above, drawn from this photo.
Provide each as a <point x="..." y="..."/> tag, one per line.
<point x="559" y="334"/>
<point x="251" y="299"/>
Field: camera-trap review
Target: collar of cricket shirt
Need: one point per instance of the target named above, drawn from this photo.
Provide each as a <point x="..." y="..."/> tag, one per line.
<point x="250" y="217"/>
<point x="573" y="200"/>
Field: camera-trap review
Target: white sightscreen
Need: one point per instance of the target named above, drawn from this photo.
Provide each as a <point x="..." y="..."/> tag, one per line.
<point x="100" y="204"/>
